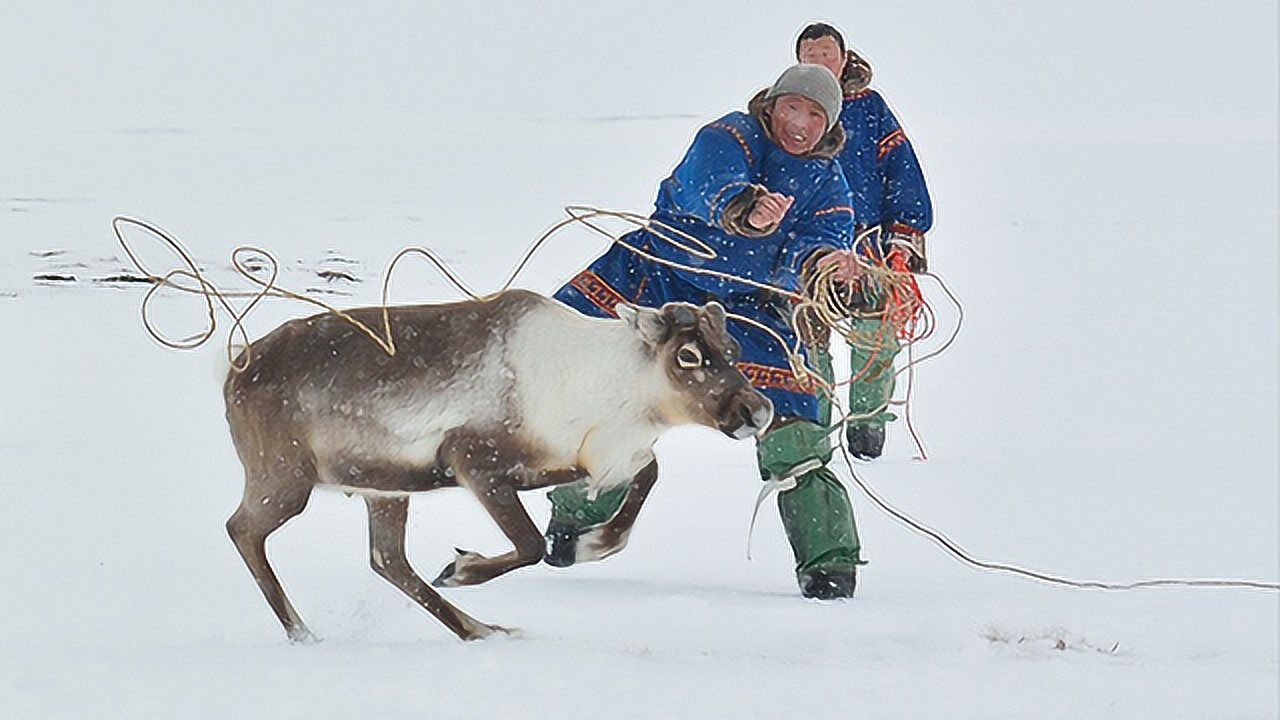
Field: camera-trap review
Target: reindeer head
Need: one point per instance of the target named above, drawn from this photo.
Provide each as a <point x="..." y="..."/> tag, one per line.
<point x="700" y="359"/>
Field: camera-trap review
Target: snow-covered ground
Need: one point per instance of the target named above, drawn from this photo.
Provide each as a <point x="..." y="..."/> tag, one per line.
<point x="1105" y="177"/>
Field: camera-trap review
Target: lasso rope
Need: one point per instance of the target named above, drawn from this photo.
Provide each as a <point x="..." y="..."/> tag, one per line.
<point x="824" y="303"/>
<point x="965" y="557"/>
<point x="828" y="302"/>
<point x="210" y="292"/>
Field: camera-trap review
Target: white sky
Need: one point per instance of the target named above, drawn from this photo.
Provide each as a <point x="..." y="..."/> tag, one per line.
<point x="1140" y="64"/>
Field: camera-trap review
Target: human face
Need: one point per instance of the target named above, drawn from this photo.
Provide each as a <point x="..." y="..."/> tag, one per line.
<point x="797" y="123"/>
<point x="824" y="51"/>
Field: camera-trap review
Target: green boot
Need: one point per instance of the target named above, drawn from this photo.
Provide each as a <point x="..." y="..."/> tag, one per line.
<point x="572" y="513"/>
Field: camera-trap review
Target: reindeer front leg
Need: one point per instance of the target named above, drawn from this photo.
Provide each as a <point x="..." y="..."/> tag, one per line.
<point x="387" y="519"/>
<point x="489" y="470"/>
<point x="610" y="537"/>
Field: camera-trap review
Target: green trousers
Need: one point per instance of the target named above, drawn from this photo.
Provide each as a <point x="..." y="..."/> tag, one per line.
<point x="871" y="362"/>
<point x="816" y="513"/>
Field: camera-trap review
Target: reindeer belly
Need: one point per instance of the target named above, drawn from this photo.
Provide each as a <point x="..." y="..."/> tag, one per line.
<point x="390" y="446"/>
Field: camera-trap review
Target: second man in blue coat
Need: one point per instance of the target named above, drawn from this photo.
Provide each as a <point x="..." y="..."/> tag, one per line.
<point x="889" y="192"/>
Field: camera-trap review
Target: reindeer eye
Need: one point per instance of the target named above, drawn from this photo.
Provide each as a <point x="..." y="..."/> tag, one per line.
<point x="689" y="356"/>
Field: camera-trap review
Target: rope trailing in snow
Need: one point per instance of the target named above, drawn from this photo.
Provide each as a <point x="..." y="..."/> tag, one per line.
<point x="954" y="549"/>
<point x="958" y="552"/>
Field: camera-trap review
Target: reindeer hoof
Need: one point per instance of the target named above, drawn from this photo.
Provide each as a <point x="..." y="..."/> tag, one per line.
<point x="454" y="574"/>
<point x="483" y="631"/>
<point x="445" y="578"/>
<point x="302" y="636"/>
<point x="596" y="544"/>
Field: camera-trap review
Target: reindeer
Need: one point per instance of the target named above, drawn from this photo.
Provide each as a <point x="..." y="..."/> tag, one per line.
<point x="512" y="392"/>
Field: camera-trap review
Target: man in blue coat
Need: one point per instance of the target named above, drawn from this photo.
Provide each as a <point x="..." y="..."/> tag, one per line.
<point x="762" y="190"/>
<point x="889" y="191"/>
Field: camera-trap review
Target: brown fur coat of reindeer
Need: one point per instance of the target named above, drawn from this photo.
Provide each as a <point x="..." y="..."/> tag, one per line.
<point x="509" y="393"/>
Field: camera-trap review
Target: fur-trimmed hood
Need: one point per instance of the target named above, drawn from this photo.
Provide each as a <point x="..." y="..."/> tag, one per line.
<point x="828" y="147"/>
<point x="856" y="75"/>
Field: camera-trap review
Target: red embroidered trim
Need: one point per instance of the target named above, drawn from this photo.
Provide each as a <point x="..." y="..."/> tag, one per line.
<point x="860" y="94"/>
<point x="597" y="291"/>
<point x="765" y="376"/>
<point x="904" y="229"/>
<point x="891" y="141"/>
<point x="737" y="135"/>
<point x="834" y="209"/>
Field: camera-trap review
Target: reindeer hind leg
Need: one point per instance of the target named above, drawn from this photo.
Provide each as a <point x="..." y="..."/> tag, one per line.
<point x="260" y="514"/>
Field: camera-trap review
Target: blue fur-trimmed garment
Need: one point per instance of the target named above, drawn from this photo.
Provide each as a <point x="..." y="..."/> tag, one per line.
<point x="728" y="157"/>
<point x="881" y="167"/>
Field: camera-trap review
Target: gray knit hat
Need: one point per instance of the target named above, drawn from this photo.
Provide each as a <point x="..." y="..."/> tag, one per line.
<point x="814" y="82"/>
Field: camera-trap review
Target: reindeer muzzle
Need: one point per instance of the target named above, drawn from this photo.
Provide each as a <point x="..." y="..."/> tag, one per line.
<point x="750" y="413"/>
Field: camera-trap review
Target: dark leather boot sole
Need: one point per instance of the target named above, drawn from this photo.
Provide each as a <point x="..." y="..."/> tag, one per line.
<point x="829" y="585"/>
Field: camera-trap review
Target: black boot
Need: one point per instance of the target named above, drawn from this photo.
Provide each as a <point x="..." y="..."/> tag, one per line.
<point x="866" y="442"/>
<point x="828" y="584"/>
<point x="562" y="544"/>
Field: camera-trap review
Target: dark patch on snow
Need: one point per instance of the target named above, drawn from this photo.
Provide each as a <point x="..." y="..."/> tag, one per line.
<point x="325" y="291"/>
<point x="47" y="253"/>
<point x="338" y="259"/>
<point x="331" y="275"/>
<point x="54" y="278"/>
<point x="125" y="278"/>
<point x="1056" y="640"/>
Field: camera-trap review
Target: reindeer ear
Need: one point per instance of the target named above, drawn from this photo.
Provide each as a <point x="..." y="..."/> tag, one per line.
<point x="715" y="311"/>
<point x="647" y="321"/>
<point x="626" y="312"/>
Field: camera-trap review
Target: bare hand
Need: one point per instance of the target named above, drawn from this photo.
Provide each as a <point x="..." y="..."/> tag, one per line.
<point x="769" y="210"/>
<point x="845" y="262"/>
